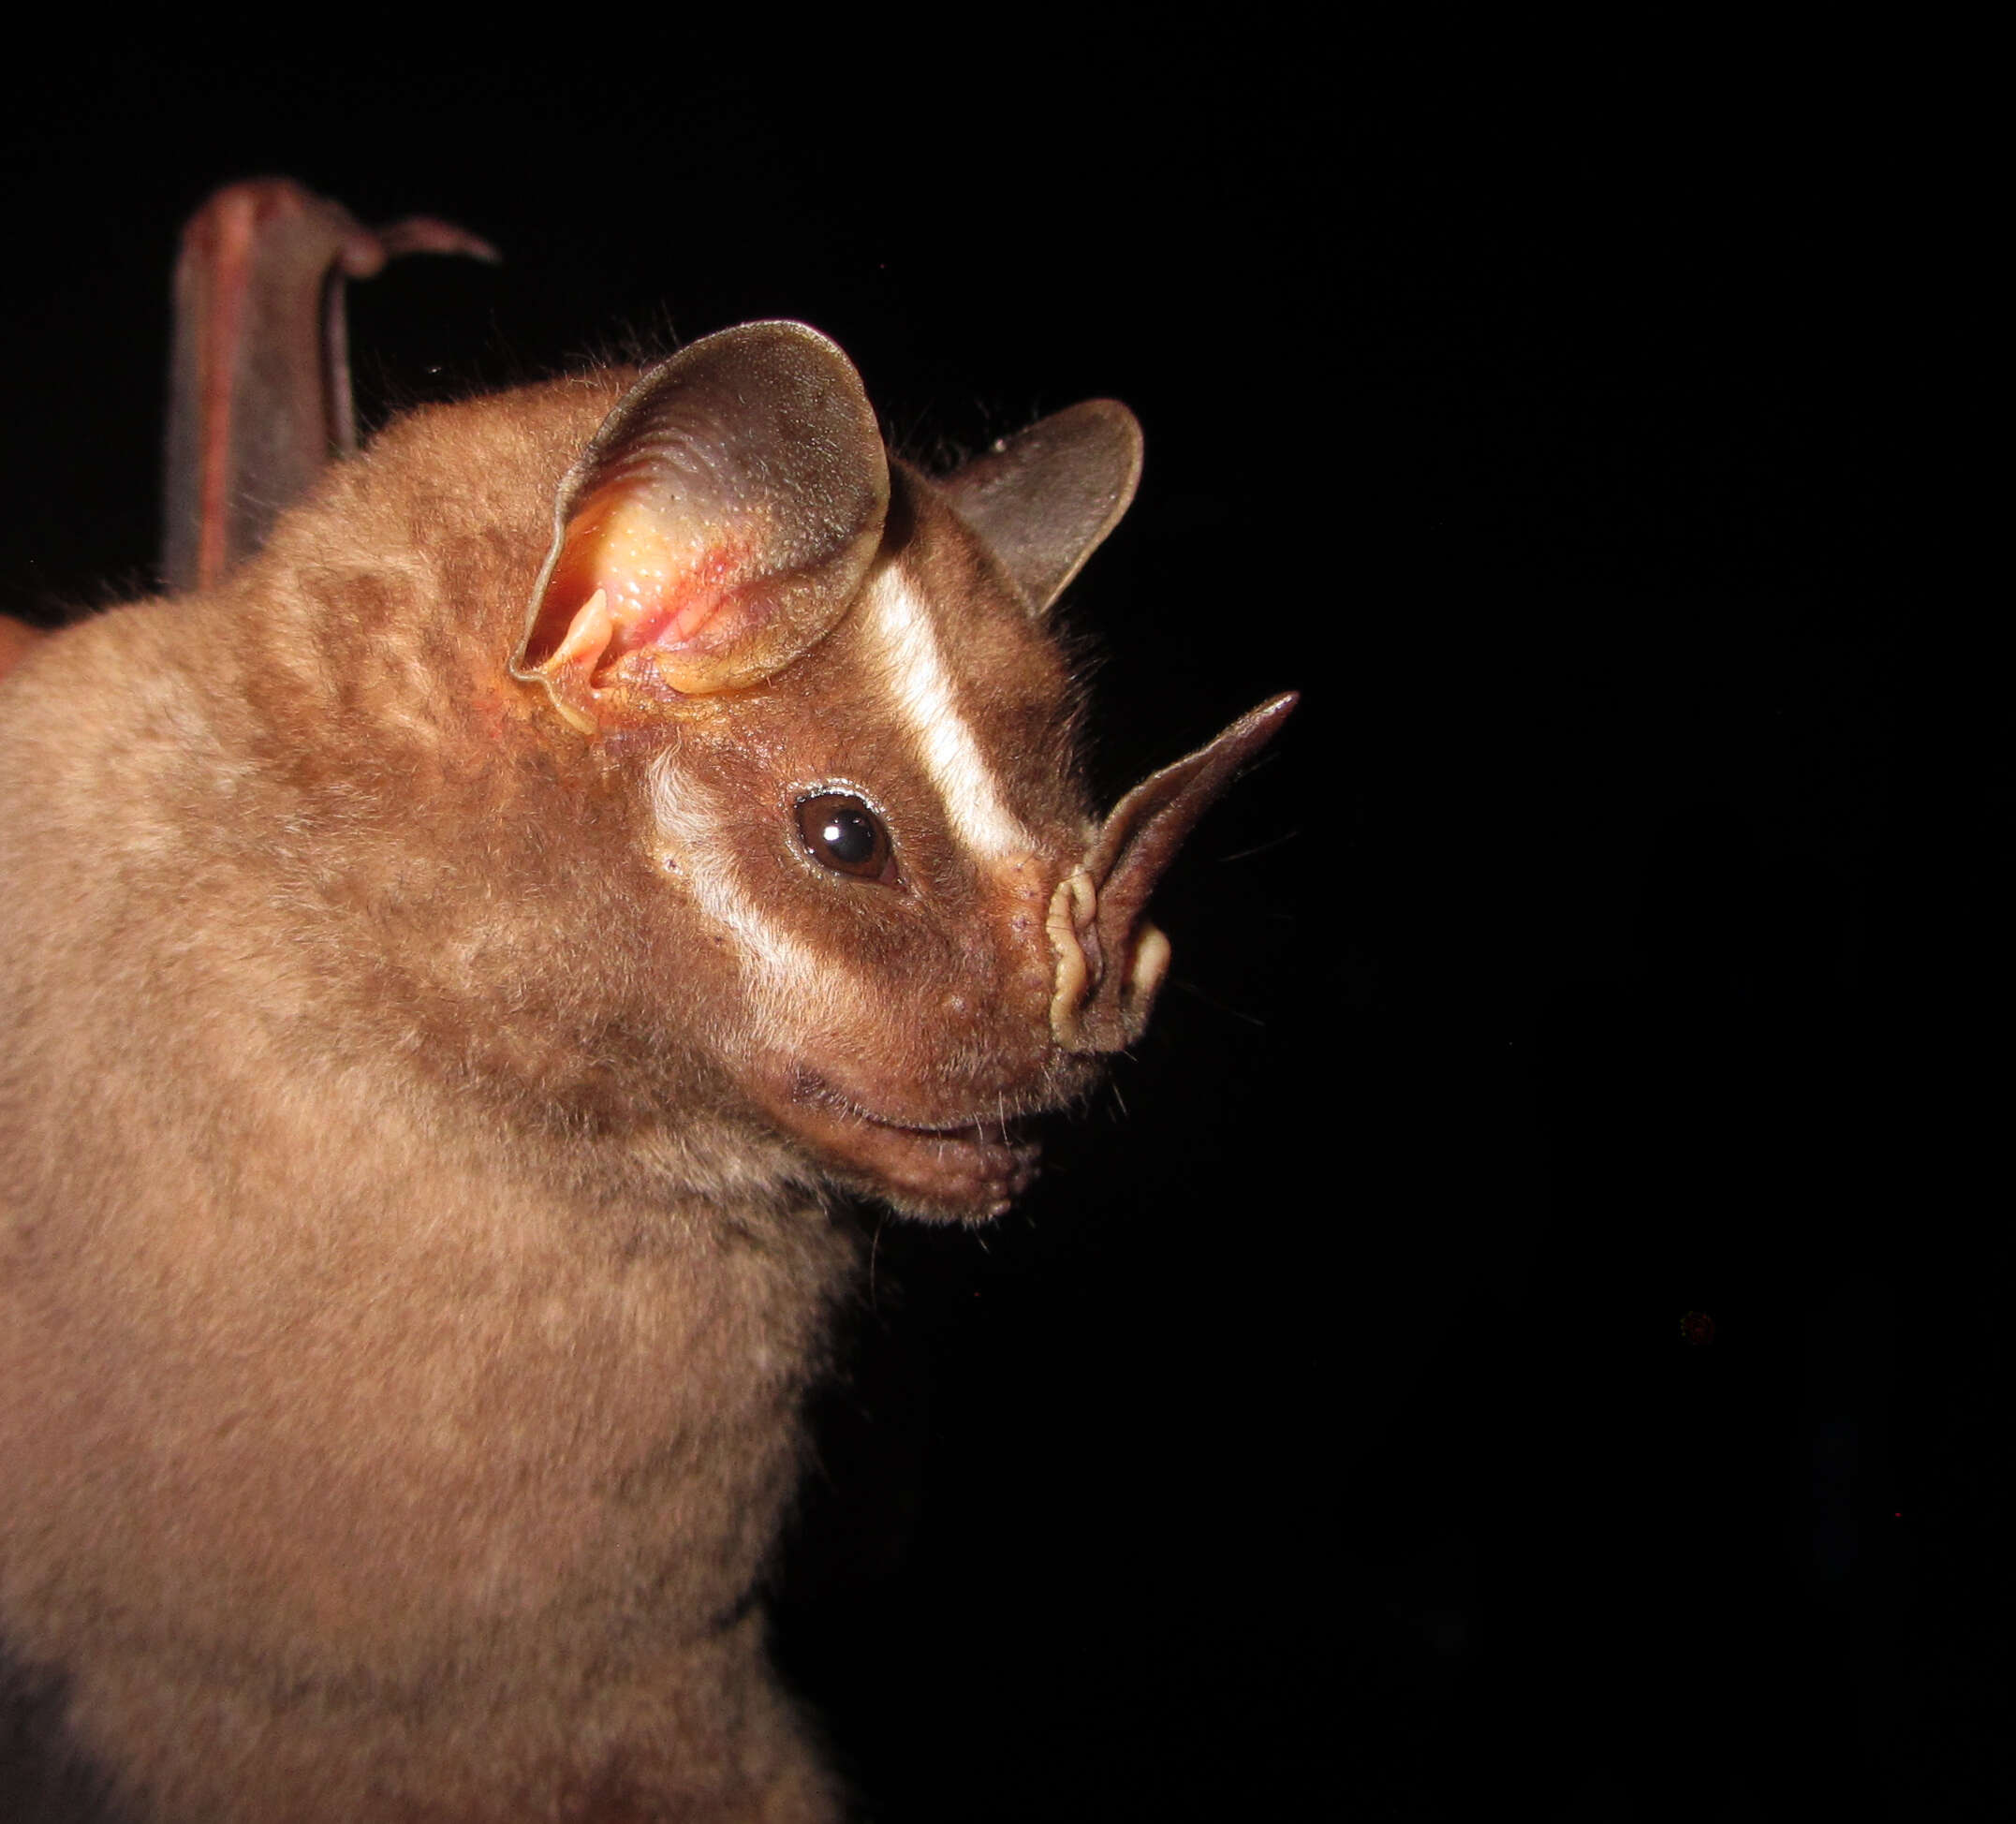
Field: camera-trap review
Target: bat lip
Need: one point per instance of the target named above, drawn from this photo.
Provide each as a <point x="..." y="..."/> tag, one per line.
<point x="1002" y="1114"/>
<point x="997" y="1127"/>
<point x="965" y="1167"/>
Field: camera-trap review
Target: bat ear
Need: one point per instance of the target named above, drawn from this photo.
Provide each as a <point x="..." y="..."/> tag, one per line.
<point x="716" y="529"/>
<point x="1046" y="499"/>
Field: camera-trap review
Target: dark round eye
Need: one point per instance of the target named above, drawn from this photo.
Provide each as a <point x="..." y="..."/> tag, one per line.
<point x="841" y="833"/>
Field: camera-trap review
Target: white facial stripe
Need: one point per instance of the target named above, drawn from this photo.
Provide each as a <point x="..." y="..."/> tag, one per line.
<point x="781" y="962"/>
<point x="945" y="742"/>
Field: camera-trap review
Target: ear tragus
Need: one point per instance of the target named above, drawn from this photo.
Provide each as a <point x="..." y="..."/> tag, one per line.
<point x="716" y="529"/>
<point x="1046" y="499"/>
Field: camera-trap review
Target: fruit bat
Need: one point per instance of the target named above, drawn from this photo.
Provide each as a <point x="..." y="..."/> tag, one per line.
<point x="472" y="943"/>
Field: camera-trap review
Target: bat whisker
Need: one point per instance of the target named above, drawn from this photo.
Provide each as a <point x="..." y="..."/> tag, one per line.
<point x="1196" y="992"/>
<point x="1259" y="848"/>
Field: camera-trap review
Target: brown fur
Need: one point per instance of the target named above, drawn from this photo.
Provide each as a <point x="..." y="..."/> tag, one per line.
<point x="415" y="1249"/>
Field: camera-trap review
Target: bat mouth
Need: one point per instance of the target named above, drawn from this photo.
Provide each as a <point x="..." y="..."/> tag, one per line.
<point x="964" y="1168"/>
<point x="999" y="1129"/>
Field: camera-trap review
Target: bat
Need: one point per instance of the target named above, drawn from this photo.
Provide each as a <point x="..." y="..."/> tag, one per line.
<point x="471" y="949"/>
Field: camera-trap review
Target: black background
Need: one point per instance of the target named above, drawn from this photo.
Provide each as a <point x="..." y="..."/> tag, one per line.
<point x="1323" y="1424"/>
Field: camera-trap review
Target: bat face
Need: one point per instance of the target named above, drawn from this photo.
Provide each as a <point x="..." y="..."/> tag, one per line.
<point x="852" y="734"/>
<point x="876" y="839"/>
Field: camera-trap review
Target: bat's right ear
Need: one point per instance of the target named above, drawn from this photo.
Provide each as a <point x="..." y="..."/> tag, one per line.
<point x="717" y="528"/>
<point x="1045" y="500"/>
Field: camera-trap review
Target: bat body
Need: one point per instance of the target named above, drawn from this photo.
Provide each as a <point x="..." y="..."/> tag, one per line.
<point x="459" y="963"/>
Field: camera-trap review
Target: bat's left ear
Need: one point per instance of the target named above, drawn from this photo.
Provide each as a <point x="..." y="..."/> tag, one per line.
<point x="1044" y="501"/>
<point x="717" y="527"/>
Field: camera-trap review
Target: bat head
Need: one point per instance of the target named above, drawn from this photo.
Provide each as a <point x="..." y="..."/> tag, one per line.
<point x="831" y="685"/>
<point x="806" y="847"/>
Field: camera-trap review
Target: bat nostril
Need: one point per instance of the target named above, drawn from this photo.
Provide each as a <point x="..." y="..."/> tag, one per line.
<point x="1093" y="1007"/>
<point x="1073" y="929"/>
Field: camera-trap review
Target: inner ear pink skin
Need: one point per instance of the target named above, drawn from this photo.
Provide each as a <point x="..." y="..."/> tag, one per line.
<point x="658" y="589"/>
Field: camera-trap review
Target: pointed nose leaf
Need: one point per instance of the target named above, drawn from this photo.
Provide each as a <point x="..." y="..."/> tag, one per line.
<point x="1148" y="825"/>
<point x="1103" y="1002"/>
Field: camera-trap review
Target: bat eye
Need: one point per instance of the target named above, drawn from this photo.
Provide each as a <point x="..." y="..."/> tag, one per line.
<point x="841" y="833"/>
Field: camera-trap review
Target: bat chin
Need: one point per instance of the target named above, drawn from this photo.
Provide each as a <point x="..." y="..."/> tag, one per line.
<point x="943" y="1170"/>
